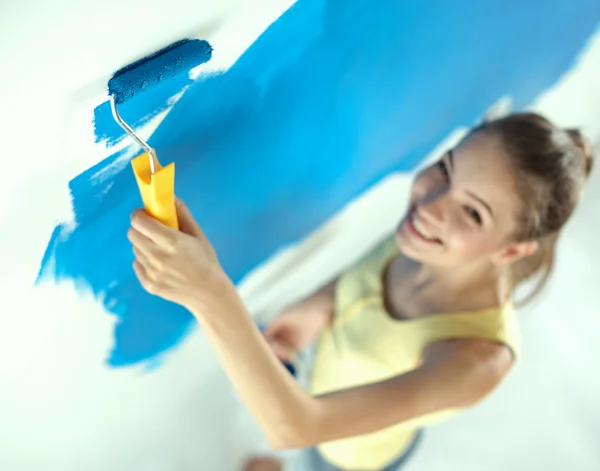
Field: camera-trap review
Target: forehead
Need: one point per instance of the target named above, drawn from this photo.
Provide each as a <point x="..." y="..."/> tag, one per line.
<point x="482" y="167"/>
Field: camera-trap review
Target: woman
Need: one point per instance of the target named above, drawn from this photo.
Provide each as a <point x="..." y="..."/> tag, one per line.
<point x="420" y="328"/>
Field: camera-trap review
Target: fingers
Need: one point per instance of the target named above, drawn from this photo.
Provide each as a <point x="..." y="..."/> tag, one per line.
<point x="146" y="252"/>
<point x="187" y="222"/>
<point x="274" y="328"/>
<point x="152" y="229"/>
<point x="270" y="330"/>
<point x="150" y="262"/>
<point x="143" y="277"/>
<point x="282" y="351"/>
<point x="139" y="240"/>
<point x="144" y="249"/>
<point x="263" y="464"/>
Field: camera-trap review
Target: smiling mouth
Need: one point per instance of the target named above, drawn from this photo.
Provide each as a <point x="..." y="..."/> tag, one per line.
<point x="417" y="229"/>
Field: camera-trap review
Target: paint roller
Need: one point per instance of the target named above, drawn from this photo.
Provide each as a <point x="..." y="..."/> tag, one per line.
<point x="155" y="182"/>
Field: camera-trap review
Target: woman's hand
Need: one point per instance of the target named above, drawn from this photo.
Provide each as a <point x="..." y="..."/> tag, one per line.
<point x="297" y="326"/>
<point x="179" y="266"/>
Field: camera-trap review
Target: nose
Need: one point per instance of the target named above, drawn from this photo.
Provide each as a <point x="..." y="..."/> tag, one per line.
<point x="434" y="207"/>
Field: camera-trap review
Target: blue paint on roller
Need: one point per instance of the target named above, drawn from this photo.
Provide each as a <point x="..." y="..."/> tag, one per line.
<point x="271" y="149"/>
<point x="143" y="74"/>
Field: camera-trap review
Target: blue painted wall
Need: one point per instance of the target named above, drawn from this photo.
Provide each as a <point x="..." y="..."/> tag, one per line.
<point x="331" y="98"/>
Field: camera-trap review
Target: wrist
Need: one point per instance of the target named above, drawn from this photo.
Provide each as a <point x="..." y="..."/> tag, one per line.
<point x="215" y="290"/>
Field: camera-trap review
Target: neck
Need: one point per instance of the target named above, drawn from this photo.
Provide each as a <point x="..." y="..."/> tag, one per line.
<point x="467" y="287"/>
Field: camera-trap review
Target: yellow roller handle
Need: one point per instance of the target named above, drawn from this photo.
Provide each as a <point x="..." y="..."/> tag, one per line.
<point x="157" y="189"/>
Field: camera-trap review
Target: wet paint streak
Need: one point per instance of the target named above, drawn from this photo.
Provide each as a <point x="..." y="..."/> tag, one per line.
<point x="165" y="73"/>
<point x="330" y="99"/>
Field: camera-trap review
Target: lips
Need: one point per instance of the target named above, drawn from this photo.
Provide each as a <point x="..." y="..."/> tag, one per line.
<point x="419" y="230"/>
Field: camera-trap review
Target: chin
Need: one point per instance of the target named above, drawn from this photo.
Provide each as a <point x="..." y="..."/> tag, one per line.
<point x="405" y="247"/>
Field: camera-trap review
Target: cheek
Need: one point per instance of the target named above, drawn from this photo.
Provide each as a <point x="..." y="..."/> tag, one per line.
<point x="469" y="243"/>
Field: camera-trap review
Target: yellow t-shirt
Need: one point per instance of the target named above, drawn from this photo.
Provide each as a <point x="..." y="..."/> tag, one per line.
<point x="365" y="344"/>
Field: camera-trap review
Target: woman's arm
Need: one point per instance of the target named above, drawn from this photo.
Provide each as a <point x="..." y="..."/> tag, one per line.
<point x="453" y="374"/>
<point x="182" y="267"/>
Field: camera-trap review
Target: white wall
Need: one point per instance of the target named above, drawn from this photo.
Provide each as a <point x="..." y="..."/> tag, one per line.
<point x="62" y="409"/>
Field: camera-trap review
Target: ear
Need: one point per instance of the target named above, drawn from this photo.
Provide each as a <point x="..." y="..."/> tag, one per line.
<point x="515" y="251"/>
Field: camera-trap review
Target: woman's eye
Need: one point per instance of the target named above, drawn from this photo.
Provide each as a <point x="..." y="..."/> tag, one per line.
<point x="444" y="168"/>
<point x="473" y="214"/>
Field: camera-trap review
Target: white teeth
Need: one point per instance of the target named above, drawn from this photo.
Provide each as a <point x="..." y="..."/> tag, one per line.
<point x="420" y="229"/>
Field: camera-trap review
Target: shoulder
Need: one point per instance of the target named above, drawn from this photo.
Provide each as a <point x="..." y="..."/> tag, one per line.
<point x="479" y="365"/>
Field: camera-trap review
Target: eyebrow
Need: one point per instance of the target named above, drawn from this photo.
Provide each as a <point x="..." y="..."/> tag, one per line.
<point x="450" y="155"/>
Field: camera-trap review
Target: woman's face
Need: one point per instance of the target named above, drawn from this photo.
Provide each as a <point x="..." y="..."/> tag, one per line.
<point x="463" y="208"/>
